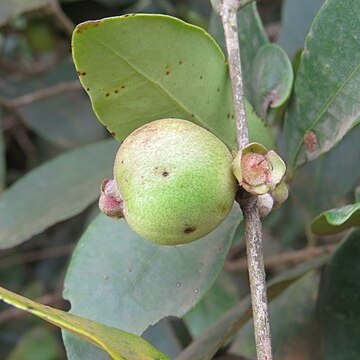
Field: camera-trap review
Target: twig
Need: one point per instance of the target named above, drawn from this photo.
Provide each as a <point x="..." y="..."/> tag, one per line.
<point x="23" y="139"/>
<point x="63" y="19"/>
<point x="40" y="94"/>
<point x="253" y="234"/>
<point x="228" y="14"/>
<point x="32" y="256"/>
<point x="287" y="258"/>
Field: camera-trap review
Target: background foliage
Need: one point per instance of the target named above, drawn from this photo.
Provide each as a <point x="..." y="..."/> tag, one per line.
<point x="301" y="83"/>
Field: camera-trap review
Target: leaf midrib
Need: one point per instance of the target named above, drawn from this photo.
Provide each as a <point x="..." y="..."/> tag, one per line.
<point x="159" y="86"/>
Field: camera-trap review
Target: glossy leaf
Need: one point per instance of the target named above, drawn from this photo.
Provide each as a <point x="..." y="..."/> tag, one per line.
<point x="325" y="105"/>
<point x="2" y="161"/>
<point x="339" y="302"/>
<point x="54" y="191"/>
<point x="206" y="345"/>
<point x="117" y="343"/>
<point x="296" y="19"/>
<point x="252" y="36"/>
<point x="164" y="337"/>
<point x="336" y="220"/>
<point x="292" y="319"/>
<point x="222" y="296"/>
<point x="161" y="335"/>
<point x="325" y="182"/>
<point x="65" y="119"/>
<point x="135" y="283"/>
<point x="154" y="67"/>
<point x="272" y="78"/>
<point x="10" y="9"/>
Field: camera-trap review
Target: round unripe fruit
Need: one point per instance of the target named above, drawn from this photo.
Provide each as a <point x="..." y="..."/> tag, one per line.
<point x="175" y="181"/>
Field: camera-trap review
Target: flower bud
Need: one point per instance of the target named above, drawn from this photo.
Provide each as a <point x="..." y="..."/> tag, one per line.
<point x="280" y="194"/>
<point x="110" y="202"/>
<point x="258" y="170"/>
<point x="265" y="204"/>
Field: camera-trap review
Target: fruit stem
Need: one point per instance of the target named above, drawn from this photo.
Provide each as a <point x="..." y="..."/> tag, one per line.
<point x="227" y="10"/>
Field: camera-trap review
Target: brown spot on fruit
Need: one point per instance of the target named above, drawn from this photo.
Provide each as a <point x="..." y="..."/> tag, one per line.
<point x="310" y="141"/>
<point x="201" y="77"/>
<point x="83" y="73"/>
<point x="189" y="229"/>
<point x="116" y="91"/>
<point x="180" y="62"/>
<point x="107" y="94"/>
<point x="123" y="86"/>
<point x="112" y="133"/>
<point x="165" y="174"/>
<point x="168" y="72"/>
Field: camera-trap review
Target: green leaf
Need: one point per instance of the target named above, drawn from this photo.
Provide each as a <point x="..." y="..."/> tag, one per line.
<point x="325" y="182"/>
<point x="117" y="343"/>
<point x="163" y="336"/>
<point x="9" y="9"/>
<point x="296" y="19"/>
<point x="325" y="105"/>
<point x="2" y="161"/>
<point x="271" y="78"/>
<point x="292" y="316"/>
<point x="37" y="344"/>
<point x="252" y="36"/>
<point x="154" y="67"/>
<point x="54" y="191"/>
<point x="336" y="220"/>
<point x="339" y="302"/>
<point x="135" y="283"/>
<point x="222" y="296"/>
<point x="206" y="345"/>
<point x="65" y="119"/>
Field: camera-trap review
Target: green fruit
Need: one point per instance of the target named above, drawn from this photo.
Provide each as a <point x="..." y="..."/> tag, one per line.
<point x="175" y="181"/>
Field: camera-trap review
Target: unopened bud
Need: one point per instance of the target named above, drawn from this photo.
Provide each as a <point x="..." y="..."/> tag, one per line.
<point x="265" y="204"/>
<point x="110" y="202"/>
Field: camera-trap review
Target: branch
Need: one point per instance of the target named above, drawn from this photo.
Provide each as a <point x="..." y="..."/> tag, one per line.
<point x="253" y="234"/>
<point x="283" y="259"/>
<point x="228" y="14"/>
<point x="41" y="94"/>
<point x="36" y="255"/>
<point x="62" y="18"/>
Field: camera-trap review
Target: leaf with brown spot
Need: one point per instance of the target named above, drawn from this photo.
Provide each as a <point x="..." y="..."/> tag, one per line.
<point x="151" y="90"/>
<point x="325" y="99"/>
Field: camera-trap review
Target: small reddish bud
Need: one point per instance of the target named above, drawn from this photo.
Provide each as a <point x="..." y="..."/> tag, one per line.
<point x="110" y="202"/>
